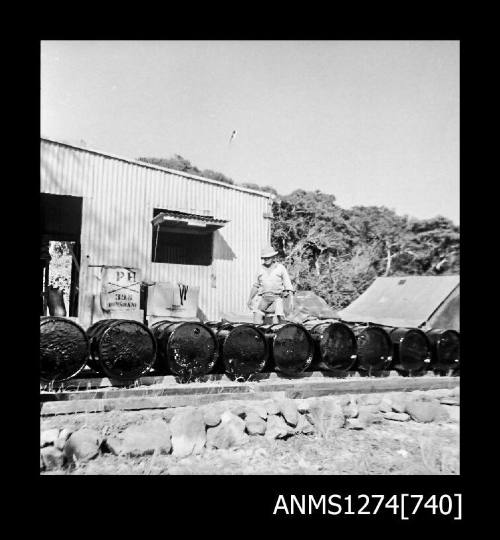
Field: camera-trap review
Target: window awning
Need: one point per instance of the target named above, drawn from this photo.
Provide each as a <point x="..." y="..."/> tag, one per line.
<point x="175" y="218"/>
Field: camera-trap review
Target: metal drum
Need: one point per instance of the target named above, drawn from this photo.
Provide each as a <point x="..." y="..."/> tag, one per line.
<point x="291" y="347"/>
<point x="374" y="348"/>
<point x="186" y="349"/>
<point x="412" y="350"/>
<point x="243" y="348"/>
<point x="335" y="345"/>
<point x="121" y="349"/>
<point x="64" y="349"/>
<point x="445" y="348"/>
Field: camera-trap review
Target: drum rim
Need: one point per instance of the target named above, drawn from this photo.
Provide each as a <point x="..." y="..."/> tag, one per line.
<point x="261" y="334"/>
<point x="388" y="359"/>
<point x="145" y="367"/>
<point x="47" y="319"/>
<point x="354" y="343"/>
<point x="309" y="339"/>
<point x="209" y="330"/>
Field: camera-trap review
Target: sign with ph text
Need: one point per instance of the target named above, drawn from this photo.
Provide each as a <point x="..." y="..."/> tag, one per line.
<point x="120" y="288"/>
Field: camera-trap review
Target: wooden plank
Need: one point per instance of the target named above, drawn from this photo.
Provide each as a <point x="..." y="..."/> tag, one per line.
<point x="275" y="384"/>
<point x="393" y="384"/>
<point x="362" y="385"/>
<point x="52" y="408"/>
<point x="293" y="388"/>
<point x="180" y="389"/>
<point x="89" y="382"/>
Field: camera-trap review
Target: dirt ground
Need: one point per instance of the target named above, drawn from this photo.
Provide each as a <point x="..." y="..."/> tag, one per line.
<point x="388" y="448"/>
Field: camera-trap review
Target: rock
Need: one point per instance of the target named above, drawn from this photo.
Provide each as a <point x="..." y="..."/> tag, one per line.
<point x="257" y="408"/>
<point x="416" y="395"/>
<point x="188" y="432"/>
<point x="370" y="399"/>
<point x="238" y="409"/>
<point x="344" y="400"/>
<point x="442" y="415"/>
<point x="272" y="407"/>
<point x="48" y="437"/>
<point x="82" y="445"/>
<point x="288" y="410"/>
<point x="450" y="401"/>
<point x="62" y="438"/>
<point x="42" y="466"/>
<point x="229" y="433"/>
<point x="211" y="416"/>
<point x="398" y="402"/>
<point x="425" y="396"/>
<point x="385" y="405"/>
<point x="255" y="425"/>
<point x="51" y="458"/>
<point x="354" y="423"/>
<point x="455" y="392"/>
<point x="453" y="413"/>
<point x="438" y="393"/>
<point x="425" y="411"/>
<point x="302" y="405"/>
<point x="369" y="414"/>
<point x="350" y="407"/>
<point x="326" y="415"/>
<point x="144" y="439"/>
<point x="398" y="417"/>
<point x="277" y="427"/>
<point x="304" y="426"/>
<point x="113" y="445"/>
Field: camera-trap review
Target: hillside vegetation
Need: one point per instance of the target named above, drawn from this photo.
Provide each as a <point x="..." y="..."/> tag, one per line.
<point x="338" y="253"/>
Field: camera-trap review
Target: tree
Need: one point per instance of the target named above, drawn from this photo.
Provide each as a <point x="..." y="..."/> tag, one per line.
<point x="338" y="253"/>
<point x="177" y="162"/>
<point x="214" y="175"/>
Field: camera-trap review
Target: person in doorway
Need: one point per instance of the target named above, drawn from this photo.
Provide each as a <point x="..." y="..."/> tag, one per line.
<point x="44" y="269"/>
<point x="271" y="285"/>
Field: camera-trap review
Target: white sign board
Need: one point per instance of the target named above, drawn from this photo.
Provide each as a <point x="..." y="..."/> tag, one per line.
<point x="173" y="300"/>
<point x="120" y="288"/>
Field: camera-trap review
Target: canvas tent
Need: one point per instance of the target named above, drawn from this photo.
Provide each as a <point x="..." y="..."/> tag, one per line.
<point x="408" y="301"/>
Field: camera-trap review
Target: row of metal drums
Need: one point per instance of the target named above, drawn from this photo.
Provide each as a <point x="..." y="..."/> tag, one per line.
<point x="126" y="349"/>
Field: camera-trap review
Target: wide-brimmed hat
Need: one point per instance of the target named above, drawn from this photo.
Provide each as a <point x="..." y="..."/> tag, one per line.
<point x="268" y="251"/>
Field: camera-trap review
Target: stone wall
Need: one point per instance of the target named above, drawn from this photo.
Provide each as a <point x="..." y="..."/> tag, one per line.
<point x="229" y="424"/>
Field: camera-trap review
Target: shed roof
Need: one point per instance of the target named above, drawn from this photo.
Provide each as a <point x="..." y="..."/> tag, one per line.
<point x="170" y="217"/>
<point x="408" y="301"/>
<point x="151" y="166"/>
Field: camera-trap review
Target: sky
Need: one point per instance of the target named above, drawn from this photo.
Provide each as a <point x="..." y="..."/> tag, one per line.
<point x="371" y="122"/>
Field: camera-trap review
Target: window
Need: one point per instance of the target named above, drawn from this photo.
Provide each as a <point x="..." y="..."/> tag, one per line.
<point x="182" y="238"/>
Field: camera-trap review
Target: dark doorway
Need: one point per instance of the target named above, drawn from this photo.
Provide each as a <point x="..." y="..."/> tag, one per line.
<point x="60" y="230"/>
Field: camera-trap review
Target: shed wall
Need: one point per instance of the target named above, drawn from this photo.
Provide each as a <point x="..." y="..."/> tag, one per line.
<point x="118" y="202"/>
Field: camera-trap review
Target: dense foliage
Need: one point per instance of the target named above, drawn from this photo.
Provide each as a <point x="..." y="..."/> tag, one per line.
<point x="181" y="164"/>
<point x="338" y="253"/>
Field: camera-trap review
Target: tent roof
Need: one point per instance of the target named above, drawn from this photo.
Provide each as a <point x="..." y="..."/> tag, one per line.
<point x="401" y="301"/>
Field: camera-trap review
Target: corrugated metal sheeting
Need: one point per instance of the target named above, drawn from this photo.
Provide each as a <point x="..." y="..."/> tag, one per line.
<point x="119" y="196"/>
<point x="409" y="301"/>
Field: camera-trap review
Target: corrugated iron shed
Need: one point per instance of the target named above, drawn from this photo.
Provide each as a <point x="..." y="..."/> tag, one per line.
<point x="409" y="301"/>
<point x="119" y="198"/>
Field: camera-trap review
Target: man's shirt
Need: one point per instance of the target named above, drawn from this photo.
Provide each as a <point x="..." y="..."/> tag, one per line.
<point x="274" y="279"/>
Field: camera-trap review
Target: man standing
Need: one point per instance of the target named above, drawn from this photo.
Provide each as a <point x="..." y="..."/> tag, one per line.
<point x="272" y="284"/>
